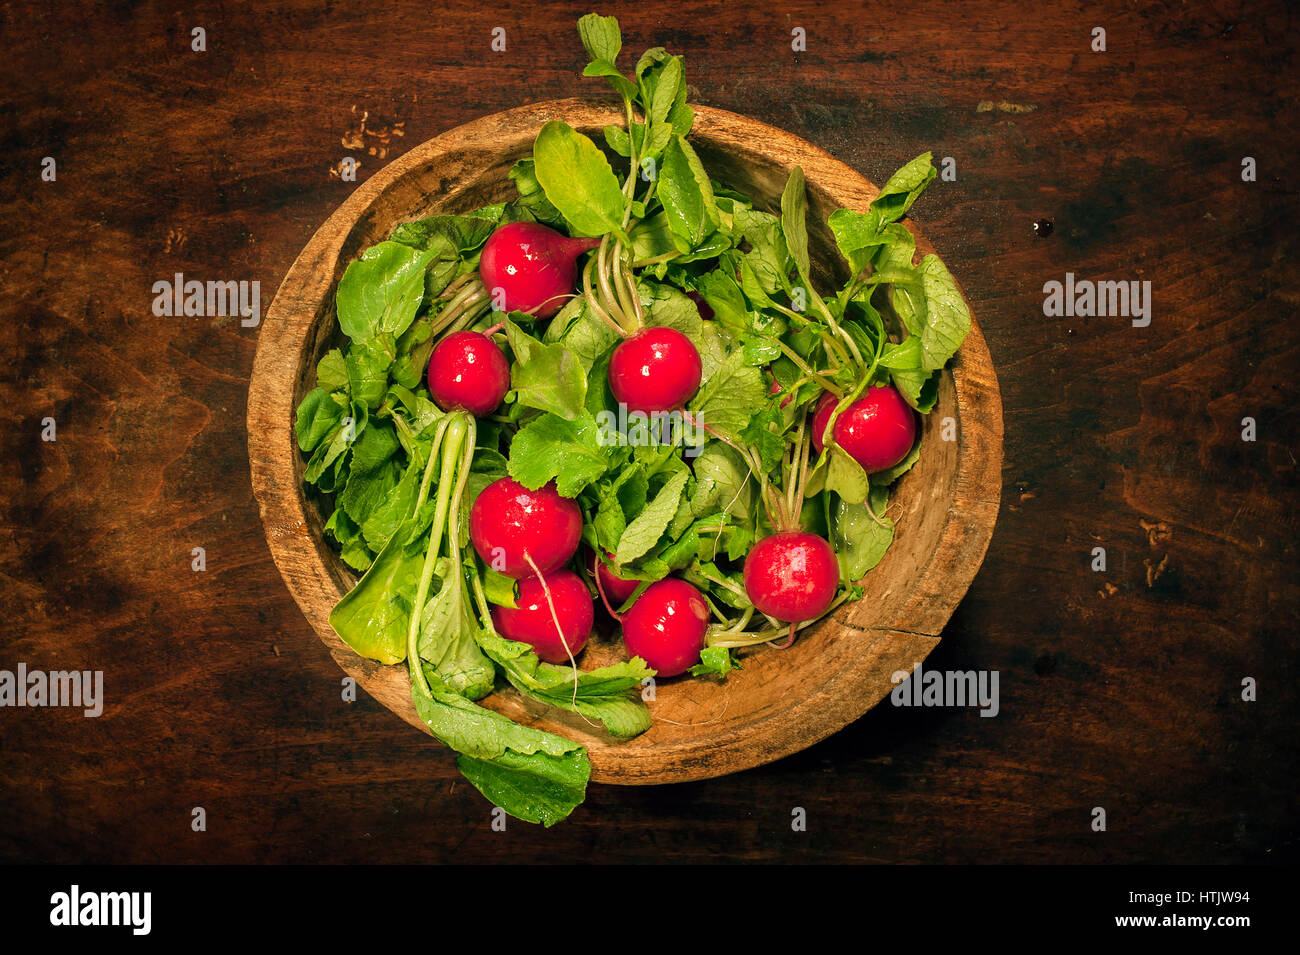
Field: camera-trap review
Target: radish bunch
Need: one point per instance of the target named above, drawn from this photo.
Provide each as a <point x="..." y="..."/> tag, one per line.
<point x="630" y="360"/>
<point x="531" y="535"/>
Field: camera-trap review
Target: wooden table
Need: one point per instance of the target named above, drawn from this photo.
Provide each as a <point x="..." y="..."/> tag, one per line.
<point x="1120" y="689"/>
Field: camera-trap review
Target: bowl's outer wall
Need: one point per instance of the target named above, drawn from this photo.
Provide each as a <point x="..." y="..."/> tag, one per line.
<point x="780" y="702"/>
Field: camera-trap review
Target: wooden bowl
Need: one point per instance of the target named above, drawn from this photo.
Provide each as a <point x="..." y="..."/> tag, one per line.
<point x="782" y="701"/>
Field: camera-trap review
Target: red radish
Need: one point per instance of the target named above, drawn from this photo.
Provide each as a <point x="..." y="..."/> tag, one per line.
<point x="657" y="369"/>
<point x="877" y="430"/>
<point x="705" y="310"/>
<point x="616" y="589"/>
<point x="531" y="622"/>
<point x="509" y="523"/>
<point x="533" y="265"/>
<point x="666" y="626"/>
<point x="776" y="390"/>
<point x="466" y="370"/>
<point x="792" y="576"/>
<point x="821" y="415"/>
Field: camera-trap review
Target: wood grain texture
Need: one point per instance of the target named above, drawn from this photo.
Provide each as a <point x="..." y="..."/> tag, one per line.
<point x="765" y="711"/>
<point x="1119" y="690"/>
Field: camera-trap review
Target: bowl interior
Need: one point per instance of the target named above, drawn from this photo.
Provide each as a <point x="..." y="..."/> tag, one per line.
<point x="783" y="699"/>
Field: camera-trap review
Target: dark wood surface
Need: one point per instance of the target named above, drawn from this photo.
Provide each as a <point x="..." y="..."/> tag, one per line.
<point x="1118" y="689"/>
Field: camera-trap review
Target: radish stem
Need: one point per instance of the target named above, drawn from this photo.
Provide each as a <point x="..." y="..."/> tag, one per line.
<point x="455" y="429"/>
<point x="600" y="589"/>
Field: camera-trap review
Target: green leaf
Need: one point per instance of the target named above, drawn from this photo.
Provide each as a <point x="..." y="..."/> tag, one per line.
<point x="373" y="617"/>
<point x="724" y="297"/>
<point x="381" y="291"/>
<point x="331" y="449"/>
<point x="794" y="220"/>
<point x="652" y="237"/>
<point x="531" y="774"/>
<point x="895" y="250"/>
<point x="609" y="694"/>
<point x="728" y="400"/>
<point x="633" y="488"/>
<point x="683" y="550"/>
<point x="448" y="635"/>
<point x="585" y="335"/>
<point x="367" y="490"/>
<point x="623" y="717"/>
<point x="318" y="417"/>
<point x="446" y="235"/>
<point x="845" y="477"/>
<point x="600" y="36"/>
<point x="578" y="180"/>
<point x="535" y="789"/>
<point x="681" y="117"/>
<point x="610" y="521"/>
<point x="863" y="241"/>
<point x="531" y="195"/>
<point x="920" y="389"/>
<point x="769" y="444"/>
<point x="616" y="79"/>
<point x="375" y="447"/>
<point x="546" y="376"/>
<point x="947" y="318"/>
<point x="500" y="589"/>
<point x="332" y="371"/>
<point x="860" y="542"/>
<point x="668" y="307"/>
<point x="617" y="139"/>
<point x="686" y="193"/>
<point x="661" y="85"/>
<point x="722" y="482"/>
<point x="714" y="661"/>
<point x="413" y="349"/>
<point x="479" y="732"/>
<point x="769" y="257"/>
<point x="728" y="588"/>
<point x="344" y="530"/>
<point x="760" y="351"/>
<point x="648" y="526"/>
<point x="652" y="56"/>
<point x="902" y="357"/>
<point x="383" y="521"/>
<point x="492" y="212"/>
<point x="367" y="364"/>
<point x="857" y="236"/>
<point x="903" y="189"/>
<point x="753" y="286"/>
<point x="874" y="236"/>
<point x="550" y="447"/>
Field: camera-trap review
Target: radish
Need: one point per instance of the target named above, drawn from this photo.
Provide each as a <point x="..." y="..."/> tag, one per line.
<point x="521" y="532"/>
<point x="703" y="307"/>
<point x="792" y="576"/>
<point x="533" y="265"/>
<point x="821" y="415"/>
<point x="666" y="626"/>
<point x="877" y="430"/>
<point x="775" y="389"/>
<point x="466" y="370"/>
<point x="615" y="589"/>
<point x="656" y="369"/>
<point x="556" y="629"/>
